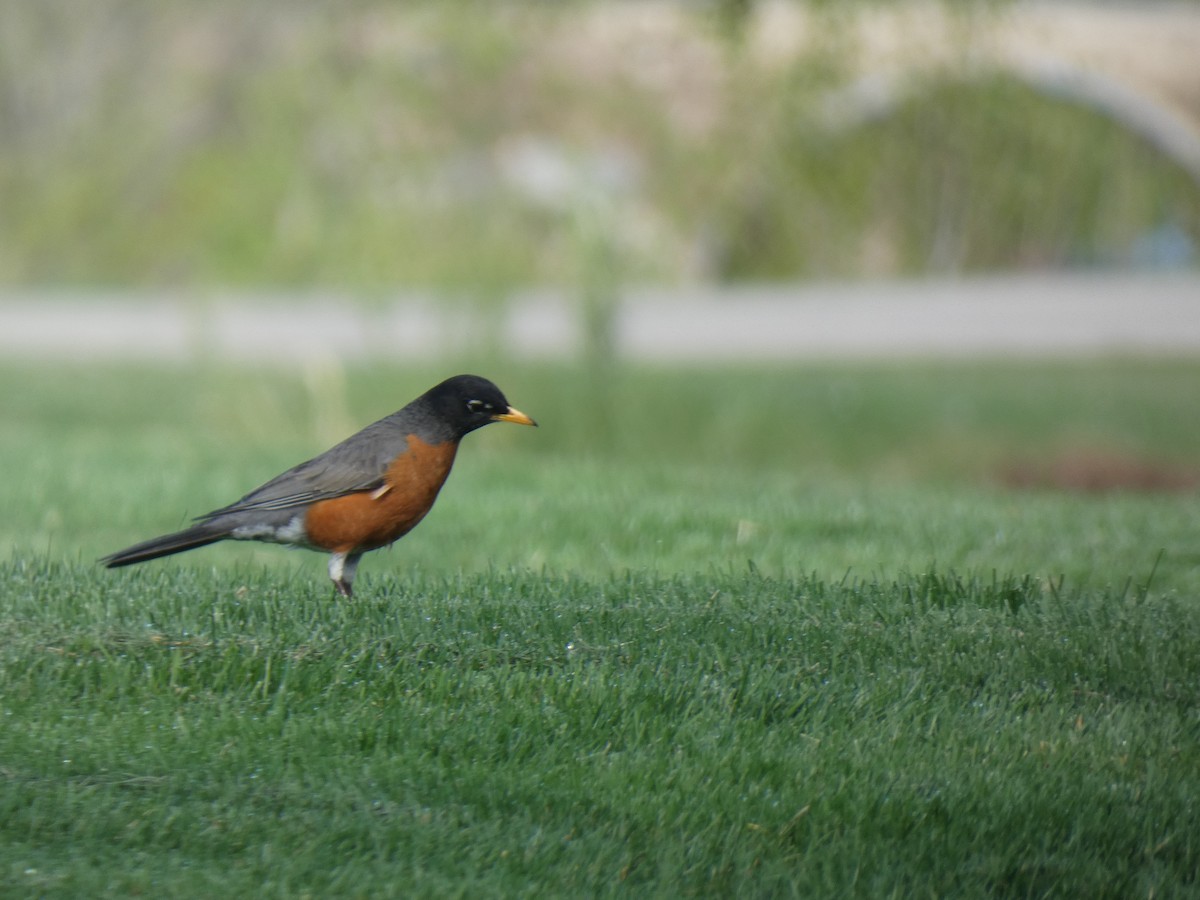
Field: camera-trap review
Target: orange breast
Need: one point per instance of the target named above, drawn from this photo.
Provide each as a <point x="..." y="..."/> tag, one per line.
<point x="371" y="519"/>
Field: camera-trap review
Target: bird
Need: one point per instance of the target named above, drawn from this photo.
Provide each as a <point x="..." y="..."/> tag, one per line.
<point x="362" y="494"/>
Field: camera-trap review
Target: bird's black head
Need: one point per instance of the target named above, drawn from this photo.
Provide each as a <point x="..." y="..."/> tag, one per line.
<point x="467" y="402"/>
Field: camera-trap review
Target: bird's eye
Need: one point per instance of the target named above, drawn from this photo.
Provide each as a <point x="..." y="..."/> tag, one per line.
<point x="477" y="405"/>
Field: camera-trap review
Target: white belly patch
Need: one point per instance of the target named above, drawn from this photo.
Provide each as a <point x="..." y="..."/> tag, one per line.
<point x="291" y="533"/>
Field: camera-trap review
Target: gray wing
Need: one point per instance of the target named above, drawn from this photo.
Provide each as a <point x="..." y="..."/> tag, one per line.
<point x="357" y="464"/>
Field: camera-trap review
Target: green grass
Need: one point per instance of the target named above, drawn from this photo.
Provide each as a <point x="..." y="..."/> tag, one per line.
<point x="523" y="734"/>
<point x="826" y="469"/>
<point x="769" y="632"/>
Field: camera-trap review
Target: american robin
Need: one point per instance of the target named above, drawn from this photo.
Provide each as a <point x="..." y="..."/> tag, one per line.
<point x="363" y="494"/>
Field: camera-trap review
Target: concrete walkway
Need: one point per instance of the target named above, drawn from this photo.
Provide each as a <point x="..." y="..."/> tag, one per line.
<point x="1035" y="315"/>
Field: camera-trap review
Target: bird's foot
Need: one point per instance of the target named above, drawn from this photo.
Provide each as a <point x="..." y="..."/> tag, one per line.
<point x="341" y="571"/>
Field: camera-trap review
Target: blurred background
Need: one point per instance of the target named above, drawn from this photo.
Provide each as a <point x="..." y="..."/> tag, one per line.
<point x="549" y="164"/>
<point x="886" y="242"/>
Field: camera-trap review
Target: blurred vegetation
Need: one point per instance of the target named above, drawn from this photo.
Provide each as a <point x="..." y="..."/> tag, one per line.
<point x="458" y="147"/>
<point x="970" y="175"/>
<point x="948" y="423"/>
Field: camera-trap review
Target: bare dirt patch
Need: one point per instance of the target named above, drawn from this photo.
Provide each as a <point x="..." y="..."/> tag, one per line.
<point x="1099" y="471"/>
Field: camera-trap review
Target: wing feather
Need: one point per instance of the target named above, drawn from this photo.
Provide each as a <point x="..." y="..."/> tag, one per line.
<point x="350" y="467"/>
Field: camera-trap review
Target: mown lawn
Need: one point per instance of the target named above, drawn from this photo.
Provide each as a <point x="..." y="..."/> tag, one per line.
<point x="752" y="633"/>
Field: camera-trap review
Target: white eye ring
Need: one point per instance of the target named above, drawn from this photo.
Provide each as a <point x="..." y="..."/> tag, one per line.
<point x="477" y="405"/>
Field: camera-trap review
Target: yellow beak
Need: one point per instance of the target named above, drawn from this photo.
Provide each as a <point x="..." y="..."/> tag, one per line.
<point x="515" y="416"/>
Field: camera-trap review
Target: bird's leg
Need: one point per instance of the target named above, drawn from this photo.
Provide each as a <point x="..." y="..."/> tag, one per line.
<point x="341" y="571"/>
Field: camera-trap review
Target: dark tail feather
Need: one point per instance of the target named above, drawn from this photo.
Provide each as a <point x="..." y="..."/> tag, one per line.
<point x="188" y="539"/>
